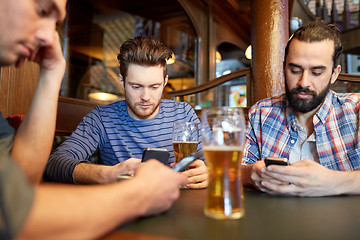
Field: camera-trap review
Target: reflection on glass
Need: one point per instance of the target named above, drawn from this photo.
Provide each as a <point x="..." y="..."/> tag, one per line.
<point x="232" y="93"/>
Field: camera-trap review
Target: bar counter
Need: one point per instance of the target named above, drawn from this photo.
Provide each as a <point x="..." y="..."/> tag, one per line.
<point x="266" y="217"/>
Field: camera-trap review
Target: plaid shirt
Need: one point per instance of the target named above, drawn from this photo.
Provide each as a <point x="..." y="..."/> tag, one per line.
<point x="272" y="131"/>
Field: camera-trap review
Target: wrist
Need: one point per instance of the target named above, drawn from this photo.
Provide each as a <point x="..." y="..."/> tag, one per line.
<point x="87" y="173"/>
<point x="246" y="174"/>
<point x="56" y="67"/>
<point x="107" y="175"/>
<point x="344" y="182"/>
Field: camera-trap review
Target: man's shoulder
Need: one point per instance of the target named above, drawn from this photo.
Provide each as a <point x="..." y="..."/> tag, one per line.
<point x="269" y="104"/>
<point x="115" y="106"/>
<point x="353" y="98"/>
<point x="166" y="103"/>
<point x="171" y="109"/>
<point x="116" y="109"/>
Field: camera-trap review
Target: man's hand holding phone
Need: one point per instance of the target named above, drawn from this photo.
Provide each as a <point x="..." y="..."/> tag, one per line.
<point x="262" y="171"/>
<point x="269" y="173"/>
<point x="276" y="161"/>
<point x="195" y="169"/>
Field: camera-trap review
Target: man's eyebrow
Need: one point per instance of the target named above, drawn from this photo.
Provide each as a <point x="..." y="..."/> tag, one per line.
<point x="158" y="83"/>
<point x="294" y="65"/>
<point x="318" y="67"/>
<point x="133" y="83"/>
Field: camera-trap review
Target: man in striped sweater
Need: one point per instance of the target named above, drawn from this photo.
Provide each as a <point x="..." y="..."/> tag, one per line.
<point x="122" y="130"/>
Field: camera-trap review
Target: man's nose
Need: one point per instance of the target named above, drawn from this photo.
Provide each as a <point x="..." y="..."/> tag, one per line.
<point x="304" y="80"/>
<point x="45" y="33"/>
<point x="145" y="94"/>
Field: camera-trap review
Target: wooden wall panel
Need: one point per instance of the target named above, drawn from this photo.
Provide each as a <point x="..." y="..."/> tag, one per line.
<point x="17" y="87"/>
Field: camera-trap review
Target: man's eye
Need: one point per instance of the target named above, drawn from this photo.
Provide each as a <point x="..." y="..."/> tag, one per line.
<point x="316" y="73"/>
<point x="155" y="87"/>
<point x="42" y="11"/>
<point x="135" y="86"/>
<point x="296" y="71"/>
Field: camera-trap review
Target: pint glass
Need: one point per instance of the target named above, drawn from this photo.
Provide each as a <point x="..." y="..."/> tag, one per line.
<point x="223" y="151"/>
<point x="185" y="139"/>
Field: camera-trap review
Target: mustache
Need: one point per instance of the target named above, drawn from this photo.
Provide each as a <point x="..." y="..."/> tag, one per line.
<point x="302" y="90"/>
<point x="145" y="102"/>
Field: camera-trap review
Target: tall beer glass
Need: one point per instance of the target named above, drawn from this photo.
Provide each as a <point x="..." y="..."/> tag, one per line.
<point x="185" y="139"/>
<point x="223" y="151"/>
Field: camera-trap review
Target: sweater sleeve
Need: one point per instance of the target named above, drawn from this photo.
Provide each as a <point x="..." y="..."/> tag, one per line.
<point x="77" y="148"/>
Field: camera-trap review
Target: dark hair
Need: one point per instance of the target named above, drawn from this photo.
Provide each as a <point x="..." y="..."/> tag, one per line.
<point x="141" y="50"/>
<point x="318" y="31"/>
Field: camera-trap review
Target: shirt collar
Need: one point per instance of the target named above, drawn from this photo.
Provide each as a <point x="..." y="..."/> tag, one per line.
<point x="326" y="107"/>
<point x="290" y="117"/>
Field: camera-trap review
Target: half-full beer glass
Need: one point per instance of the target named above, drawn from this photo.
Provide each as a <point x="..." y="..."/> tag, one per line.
<point x="223" y="150"/>
<point x="185" y="139"/>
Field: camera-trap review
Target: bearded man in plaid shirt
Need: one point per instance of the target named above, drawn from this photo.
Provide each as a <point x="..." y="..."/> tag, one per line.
<point x="315" y="128"/>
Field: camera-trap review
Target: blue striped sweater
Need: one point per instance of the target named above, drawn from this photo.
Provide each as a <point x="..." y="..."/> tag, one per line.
<point x="118" y="137"/>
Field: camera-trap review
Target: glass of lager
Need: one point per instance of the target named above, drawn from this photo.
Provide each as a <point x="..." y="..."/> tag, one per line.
<point x="223" y="150"/>
<point x="185" y="139"/>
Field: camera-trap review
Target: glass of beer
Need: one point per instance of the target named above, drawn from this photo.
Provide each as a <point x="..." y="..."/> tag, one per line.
<point x="223" y="137"/>
<point x="185" y="139"/>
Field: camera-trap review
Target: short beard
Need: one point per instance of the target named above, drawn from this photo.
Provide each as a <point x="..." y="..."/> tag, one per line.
<point x="138" y="114"/>
<point x="305" y="105"/>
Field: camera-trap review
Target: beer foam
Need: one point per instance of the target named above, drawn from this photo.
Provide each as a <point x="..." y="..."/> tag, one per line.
<point x="222" y="148"/>
<point x="231" y="129"/>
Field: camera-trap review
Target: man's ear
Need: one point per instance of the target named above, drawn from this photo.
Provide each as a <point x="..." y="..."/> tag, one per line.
<point x="121" y="80"/>
<point x="335" y="74"/>
<point x="166" y="80"/>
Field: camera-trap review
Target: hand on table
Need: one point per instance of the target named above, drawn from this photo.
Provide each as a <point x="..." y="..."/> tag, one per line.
<point x="197" y="174"/>
<point x="127" y="167"/>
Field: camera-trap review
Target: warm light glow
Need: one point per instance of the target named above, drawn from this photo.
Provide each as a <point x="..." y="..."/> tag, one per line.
<point x="218" y="57"/>
<point x="248" y="53"/>
<point x="171" y="60"/>
<point x="102" y="96"/>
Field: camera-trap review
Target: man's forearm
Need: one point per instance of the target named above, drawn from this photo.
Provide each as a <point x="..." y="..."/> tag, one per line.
<point x="34" y="139"/>
<point x="106" y="206"/>
<point x="347" y="182"/>
<point x="87" y="173"/>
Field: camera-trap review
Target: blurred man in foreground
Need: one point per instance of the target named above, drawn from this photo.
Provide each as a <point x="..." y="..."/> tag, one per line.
<point x="32" y="211"/>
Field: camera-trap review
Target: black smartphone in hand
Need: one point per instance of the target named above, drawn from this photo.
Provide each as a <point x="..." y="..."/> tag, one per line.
<point x="160" y="154"/>
<point x="276" y="161"/>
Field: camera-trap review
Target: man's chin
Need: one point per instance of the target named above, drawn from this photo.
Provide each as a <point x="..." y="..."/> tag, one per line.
<point x="143" y="115"/>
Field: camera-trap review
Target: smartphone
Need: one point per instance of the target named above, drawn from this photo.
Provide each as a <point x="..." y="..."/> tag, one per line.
<point x="160" y="154"/>
<point x="276" y="161"/>
<point x="186" y="161"/>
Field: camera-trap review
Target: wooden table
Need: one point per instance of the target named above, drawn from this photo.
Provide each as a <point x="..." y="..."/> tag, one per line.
<point x="266" y="217"/>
